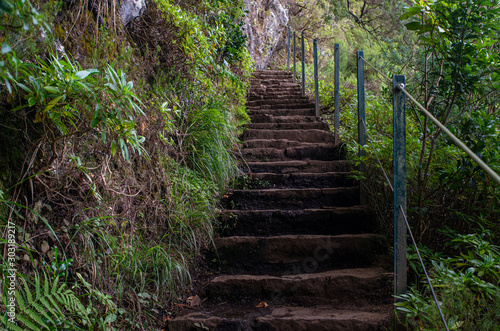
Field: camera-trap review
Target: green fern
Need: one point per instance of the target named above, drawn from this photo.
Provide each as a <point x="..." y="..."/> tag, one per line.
<point x="53" y="307"/>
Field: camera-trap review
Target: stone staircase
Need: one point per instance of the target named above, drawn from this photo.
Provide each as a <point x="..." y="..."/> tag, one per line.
<point x="296" y="240"/>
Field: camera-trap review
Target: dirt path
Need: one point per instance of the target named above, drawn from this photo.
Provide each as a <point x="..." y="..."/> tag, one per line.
<point x="298" y="243"/>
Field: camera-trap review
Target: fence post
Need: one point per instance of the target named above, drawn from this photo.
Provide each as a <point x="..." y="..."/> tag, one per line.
<point x="288" y="50"/>
<point x="336" y="93"/>
<point x="294" y="55"/>
<point x="361" y="120"/>
<point x="303" y="64"/>
<point x="399" y="122"/>
<point x="316" y="87"/>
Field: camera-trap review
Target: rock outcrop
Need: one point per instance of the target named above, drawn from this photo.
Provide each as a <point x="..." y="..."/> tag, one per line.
<point x="130" y="9"/>
<point x="265" y="25"/>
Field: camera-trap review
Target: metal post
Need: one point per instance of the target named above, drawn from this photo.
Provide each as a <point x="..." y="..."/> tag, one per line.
<point x="288" y="50"/>
<point x="316" y="87"/>
<point x="294" y="56"/>
<point x="361" y="120"/>
<point x="399" y="120"/>
<point x="303" y="65"/>
<point x="336" y="93"/>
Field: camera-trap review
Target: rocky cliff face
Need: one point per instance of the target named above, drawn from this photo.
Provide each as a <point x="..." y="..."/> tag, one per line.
<point x="265" y="26"/>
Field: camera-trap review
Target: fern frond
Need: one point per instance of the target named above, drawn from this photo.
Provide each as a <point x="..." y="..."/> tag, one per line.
<point x="46" y="285"/>
<point x="42" y="310"/>
<point x="11" y="326"/>
<point x="29" y="297"/>
<point x="20" y="300"/>
<point x="28" y="323"/>
<point x="55" y="305"/>
<point x="37" y="286"/>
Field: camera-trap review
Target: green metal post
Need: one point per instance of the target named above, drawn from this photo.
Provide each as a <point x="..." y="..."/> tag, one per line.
<point x="336" y="92"/>
<point x="361" y="120"/>
<point x="303" y="64"/>
<point x="288" y="50"/>
<point x="294" y="57"/>
<point x="361" y="103"/>
<point x="316" y="87"/>
<point x="399" y="122"/>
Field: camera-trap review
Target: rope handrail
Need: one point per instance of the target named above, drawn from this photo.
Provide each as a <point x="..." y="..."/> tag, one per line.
<point x="457" y="141"/>
<point x="443" y="128"/>
<point x="401" y="206"/>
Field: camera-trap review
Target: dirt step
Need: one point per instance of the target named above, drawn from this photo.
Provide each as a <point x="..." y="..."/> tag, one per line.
<point x="325" y="152"/>
<point x="281" y="112"/>
<point x="298" y="253"/>
<point x="273" y="222"/>
<point x="225" y="317"/>
<point x="287" y="167"/>
<point x="289" y="126"/>
<point x="312" y="136"/>
<point x="309" y="198"/>
<point x="342" y="288"/>
<point x="299" y="180"/>
<point x="268" y="118"/>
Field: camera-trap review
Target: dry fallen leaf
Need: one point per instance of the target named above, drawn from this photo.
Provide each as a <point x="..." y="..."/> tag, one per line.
<point x="262" y="304"/>
<point x="195" y="301"/>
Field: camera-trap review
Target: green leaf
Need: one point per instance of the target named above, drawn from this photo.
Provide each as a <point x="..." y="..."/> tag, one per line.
<point x="410" y="12"/>
<point x="114" y="147"/>
<point x="414" y="26"/>
<point x="24" y="87"/>
<point x="84" y="73"/>
<point x="96" y="119"/>
<point x="6" y="6"/>
<point x="31" y="101"/>
<point x="52" y="89"/>
<point x="110" y="318"/>
<point x="52" y="103"/>
<point x="6" y="48"/>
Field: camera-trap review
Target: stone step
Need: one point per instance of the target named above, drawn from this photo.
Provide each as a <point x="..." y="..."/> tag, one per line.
<point x="272" y="222"/>
<point x="289" y="126"/>
<point x="288" y="167"/>
<point x="268" y="118"/>
<point x="342" y="288"/>
<point x="279" y="104"/>
<point x="310" y="198"/>
<point x="325" y="152"/>
<point x="269" y="97"/>
<point x="280" y="112"/>
<point x="298" y="253"/>
<point x="311" y="136"/>
<point x="226" y="317"/>
<point x="299" y="180"/>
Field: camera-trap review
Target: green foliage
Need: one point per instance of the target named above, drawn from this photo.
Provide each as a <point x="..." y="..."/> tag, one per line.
<point x="48" y="305"/>
<point x="467" y="287"/>
<point x="65" y="95"/>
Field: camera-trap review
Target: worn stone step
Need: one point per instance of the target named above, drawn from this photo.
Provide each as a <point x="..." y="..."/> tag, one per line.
<point x="331" y="221"/>
<point x="268" y="118"/>
<point x="293" y="198"/>
<point x="284" y="150"/>
<point x="342" y="288"/>
<point x="299" y="180"/>
<point x="298" y="253"/>
<point x="287" y="167"/>
<point x="289" y="101"/>
<point x="280" y="112"/>
<point x="312" y="135"/>
<point x="289" y="126"/>
<point x="226" y="317"/>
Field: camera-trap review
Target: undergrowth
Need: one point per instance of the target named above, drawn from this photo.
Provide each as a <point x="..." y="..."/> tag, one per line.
<point x="120" y="145"/>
